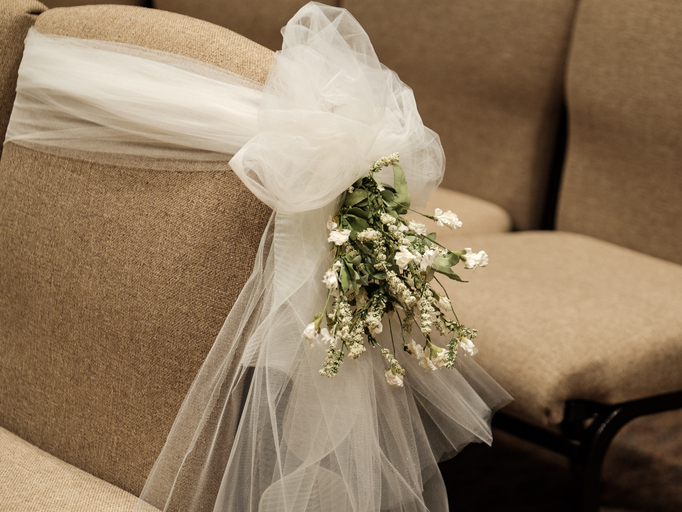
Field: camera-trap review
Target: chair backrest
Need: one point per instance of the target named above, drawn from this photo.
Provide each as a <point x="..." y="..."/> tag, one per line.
<point x="16" y="17"/>
<point x="488" y="78"/>
<point x="623" y="174"/>
<point x="114" y="282"/>
<point x="258" y="20"/>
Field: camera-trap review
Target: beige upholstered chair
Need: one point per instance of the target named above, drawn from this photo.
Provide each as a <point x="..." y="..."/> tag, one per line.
<point x="583" y="326"/>
<point x="113" y="281"/>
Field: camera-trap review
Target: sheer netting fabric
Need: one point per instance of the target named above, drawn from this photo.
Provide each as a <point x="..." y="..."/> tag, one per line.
<point x="261" y="429"/>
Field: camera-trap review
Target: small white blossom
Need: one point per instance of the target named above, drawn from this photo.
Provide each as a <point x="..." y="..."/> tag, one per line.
<point x="448" y="219"/>
<point x="355" y="350"/>
<point x="444" y="303"/>
<point x="403" y="257"/>
<point x="475" y="259"/>
<point x="403" y="228"/>
<point x="331" y="280"/>
<point x="339" y="237"/>
<point x="310" y="333"/>
<point x="416" y="349"/>
<point x="427" y="258"/>
<point x="468" y="346"/>
<point x="440" y="360"/>
<point x="369" y="235"/>
<point x="394" y="380"/>
<point x="387" y="219"/>
<point x="331" y="225"/>
<point x="417" y="227"/>
<point x="426" y="363"/>
<point x="326" y="337"/>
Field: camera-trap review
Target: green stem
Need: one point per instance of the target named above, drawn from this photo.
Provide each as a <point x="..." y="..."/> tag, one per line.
<point x="446" y="294"/>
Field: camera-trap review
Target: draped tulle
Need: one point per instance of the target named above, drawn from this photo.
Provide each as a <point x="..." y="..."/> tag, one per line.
<point x="260" y="429"/>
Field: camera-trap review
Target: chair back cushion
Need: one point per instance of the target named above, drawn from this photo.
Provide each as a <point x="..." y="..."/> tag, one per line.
<point x="114" y="282"/>
<point x="623" y="175"/>
<point x="488" y="78"/>
<point x="16" y="17"/>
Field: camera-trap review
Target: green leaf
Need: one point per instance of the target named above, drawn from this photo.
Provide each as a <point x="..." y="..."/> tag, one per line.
<point x="402" y="196"/>
<point x="388" y="195"/>
<point x="452" y="258"/>
<point x="442" y="266"/>
<point x="358" y="195"/>
<point x="359" y="212"/>
<point x="344" y="278"/>
<point x="356" y="223"/>
<point x="318" y="320"/>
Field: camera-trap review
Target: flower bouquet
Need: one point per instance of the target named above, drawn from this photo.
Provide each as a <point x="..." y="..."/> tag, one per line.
<point x="384" y="264"/>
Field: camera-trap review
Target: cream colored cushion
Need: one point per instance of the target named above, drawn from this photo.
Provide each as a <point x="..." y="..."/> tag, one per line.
<point x="477" y="215"/>
<point x="623" y="173"/>
<point x="32" y="480"/>
<point x="564" y="316"/>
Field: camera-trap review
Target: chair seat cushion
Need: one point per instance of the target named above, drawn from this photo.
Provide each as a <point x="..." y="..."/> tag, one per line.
<point x="477" y="215"/>
<point x="33" y="480"/>
<point x="564" y="316"/>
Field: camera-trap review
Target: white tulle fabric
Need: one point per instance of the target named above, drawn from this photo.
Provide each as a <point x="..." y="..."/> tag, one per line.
<point x="328" y="111"/>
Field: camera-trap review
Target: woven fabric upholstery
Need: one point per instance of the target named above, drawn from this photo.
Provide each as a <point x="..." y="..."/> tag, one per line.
<point x="565" y="316"/>
<point x="488" y="79"/>
<point x="72" y="3"/>
<point x="35" y="481"/>
<point x="258" y="20"/>
<point x="114" y="282"/>
<point x="623" y="175"/>
<point x="477" y="216"/>
<point x="16" y="17"/>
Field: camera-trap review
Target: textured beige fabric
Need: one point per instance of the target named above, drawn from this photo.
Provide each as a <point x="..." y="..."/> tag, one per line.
<point x="259" y="20"/>
<point x="71" y="3"/>
<point x="113" y="285"/>
<point x="16" y="17"/>
<point x="564" y="316"/>
<point x="114" y="282"/>
<point x="623" y="175"/>
<point x="161" y="31"/>
<point x="488" y="79"/>
<point x="35" y="481"/>
<point x="477" y="216"/>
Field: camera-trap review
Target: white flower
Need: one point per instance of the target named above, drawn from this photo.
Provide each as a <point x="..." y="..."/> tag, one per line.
<point x="416" y="349"/>
<point x="475" y="259"/>
<point x="403" y="257"/>
<point x="310" y="333"/>
<point x="326" y="337"/>
<point x="355" y="350"/>
<point x="468" y="346"/>
<point x="417" y="227"/>
<point x="425" y="362"/>
<point x="394" y="380"/>
<point x="427" y="258"/>
<point x="331" y="280"/>
<point x="440" y="360"/>
<point x="331" y="225"/>
<point x="444" y="303"/>
<point x="402" y="228"/>
<point x="339" y="236"/>
<point x="448" y="219"/>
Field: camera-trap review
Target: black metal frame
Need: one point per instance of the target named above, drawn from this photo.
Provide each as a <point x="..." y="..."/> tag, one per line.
<point x="588" y="429"/>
